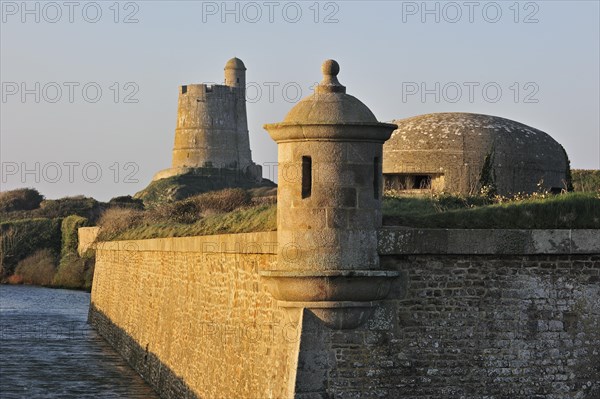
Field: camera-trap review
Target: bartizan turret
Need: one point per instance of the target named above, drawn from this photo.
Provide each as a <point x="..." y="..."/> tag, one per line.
<point x="212" y="127"/>
<point x="329" y="206"/>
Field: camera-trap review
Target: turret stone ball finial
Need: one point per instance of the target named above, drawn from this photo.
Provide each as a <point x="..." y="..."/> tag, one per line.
<point x="330" y="83"/>
<point x="330" y="67"/>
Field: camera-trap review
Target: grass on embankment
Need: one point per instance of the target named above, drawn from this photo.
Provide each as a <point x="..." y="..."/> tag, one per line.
<point x="565" y="211"/>
<point x="259" y="218"/>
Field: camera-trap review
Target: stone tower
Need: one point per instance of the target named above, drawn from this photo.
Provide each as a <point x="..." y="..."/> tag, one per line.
<point x="329" y="205"/>
<point x="212" y="127"/>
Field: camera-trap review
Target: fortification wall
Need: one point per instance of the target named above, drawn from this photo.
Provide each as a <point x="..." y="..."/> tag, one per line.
<point x="474" y="313"/>
<point x="191" y="316"/>
<point x="86" y="236"/>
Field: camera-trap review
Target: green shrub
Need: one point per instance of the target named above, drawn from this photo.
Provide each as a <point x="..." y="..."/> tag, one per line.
<point x="126" y="201"/>
<point x="22" y="199"/>
<point x="88" y="276"/>
<point x="70" y="272"/>
<point x="487" y="178"/>
<point x="586" y="180"/>
<point x="568" y="182"/>
<point x="79" y="205"/>
<point x="69" y="227"/>
<point x="38" y="268"/>
<point x="21" y="238"/>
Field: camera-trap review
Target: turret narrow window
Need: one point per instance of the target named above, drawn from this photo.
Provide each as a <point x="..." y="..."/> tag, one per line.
<point x="376" y="174"/>
<point x="306" y="177"/>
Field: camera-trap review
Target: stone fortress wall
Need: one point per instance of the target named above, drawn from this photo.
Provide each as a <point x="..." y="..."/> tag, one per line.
<point x="333" y="305"/>
<point x="191" y="316"/>
<point x="473" y="313"/>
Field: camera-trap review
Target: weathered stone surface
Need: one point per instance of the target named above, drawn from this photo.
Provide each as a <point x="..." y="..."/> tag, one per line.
<point x="452" y="148"/>
<point x="212" y="126"/>
<point x="329" y="203"/>
<point x="487" y="241"/>
<point x="86" y="237"/>
<point x="469" y="326"/>
<point x="193" y="310"/>
<point x="194" y="318"/>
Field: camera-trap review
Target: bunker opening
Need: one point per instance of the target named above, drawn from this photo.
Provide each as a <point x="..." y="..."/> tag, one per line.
<point x="413" y="181"/>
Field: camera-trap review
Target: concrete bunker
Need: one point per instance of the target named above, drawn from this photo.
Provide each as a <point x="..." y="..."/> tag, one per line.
<point x="459" y="152"/>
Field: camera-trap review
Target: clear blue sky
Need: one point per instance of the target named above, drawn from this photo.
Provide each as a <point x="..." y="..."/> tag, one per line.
<point x="543" y="56"/>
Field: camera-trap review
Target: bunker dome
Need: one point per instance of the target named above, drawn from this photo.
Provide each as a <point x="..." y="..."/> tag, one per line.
<point x="461" y="152"/>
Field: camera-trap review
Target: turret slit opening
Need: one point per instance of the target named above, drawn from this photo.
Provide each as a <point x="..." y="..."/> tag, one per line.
<point x="306" y="176"/>
<point x="376" y="177"/>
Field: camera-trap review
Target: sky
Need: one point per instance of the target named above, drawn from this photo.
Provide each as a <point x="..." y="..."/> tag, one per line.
<point x="89" y="89"/>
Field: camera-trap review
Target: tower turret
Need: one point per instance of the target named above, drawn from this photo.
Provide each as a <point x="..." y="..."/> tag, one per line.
<point x="235" y="73"/>
<point x="329" y="205"/>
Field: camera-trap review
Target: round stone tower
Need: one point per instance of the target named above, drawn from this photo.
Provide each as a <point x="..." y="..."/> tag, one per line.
<point x="329" y="205"/>
<point x="212" y="128"/>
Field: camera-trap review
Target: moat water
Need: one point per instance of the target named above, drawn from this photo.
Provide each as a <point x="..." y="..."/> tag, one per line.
<point x="47" y="349"/>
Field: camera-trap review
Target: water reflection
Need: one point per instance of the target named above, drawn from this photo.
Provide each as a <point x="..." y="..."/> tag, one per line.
<point x="47" y="349"/>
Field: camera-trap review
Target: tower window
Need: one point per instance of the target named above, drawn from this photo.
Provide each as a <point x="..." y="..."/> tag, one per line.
<point x="183" y="89"/>
<point x="238" y="80"/>
<point x="306" y="177"/>
<point x="376" y="176"/>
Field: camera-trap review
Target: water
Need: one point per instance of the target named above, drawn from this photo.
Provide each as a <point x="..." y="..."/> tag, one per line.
<point x="47" y="349"/>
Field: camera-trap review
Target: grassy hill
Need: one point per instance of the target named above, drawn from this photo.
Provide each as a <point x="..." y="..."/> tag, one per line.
<point x="202" y="180"/>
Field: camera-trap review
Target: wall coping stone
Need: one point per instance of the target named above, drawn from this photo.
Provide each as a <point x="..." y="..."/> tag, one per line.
<point x="411" y="241"/>
<point x="393" y="241"/>
<point x="241" y="243"/>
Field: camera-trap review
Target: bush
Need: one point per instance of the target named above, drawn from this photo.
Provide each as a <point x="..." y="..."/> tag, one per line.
<point x="37" y="269"/>
<point x="22" y="199"/>
<point x="71" y="272"/>
<point x="69" y="228"/>
<point x="222" y="201"/>
<point x="185" y="211"/>
<point x="586" y="180"/>
<point x="116" y="220"/>
<point x="88" y="276"/>
<point x="79" y="205"/>
<point x="126" y="201"/>
<point x="21" y="238"/>
<point x="192" y="209"/>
